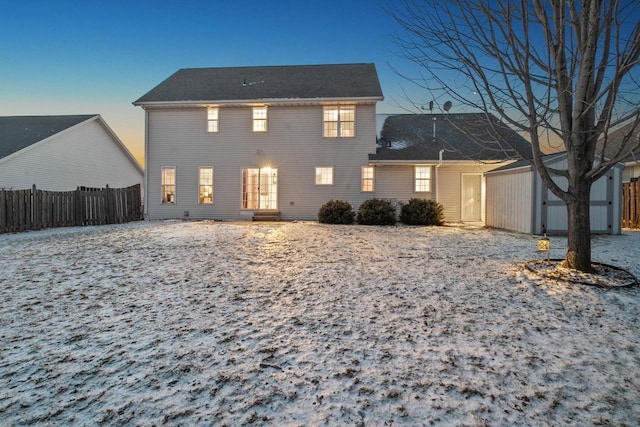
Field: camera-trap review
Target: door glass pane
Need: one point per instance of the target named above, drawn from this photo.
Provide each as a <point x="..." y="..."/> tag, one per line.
<point x="260" y="188"/>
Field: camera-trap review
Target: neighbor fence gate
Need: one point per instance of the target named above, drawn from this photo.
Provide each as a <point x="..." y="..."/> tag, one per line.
<point x="631" y="204"/>
<point x="34" y="209"/>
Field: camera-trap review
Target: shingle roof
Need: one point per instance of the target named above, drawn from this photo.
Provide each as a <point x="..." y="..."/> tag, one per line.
<point x="617" y="138"/>
<point x="18" y="132"/>
<point x="462" y="136"/>
<point x="267" y="83"/>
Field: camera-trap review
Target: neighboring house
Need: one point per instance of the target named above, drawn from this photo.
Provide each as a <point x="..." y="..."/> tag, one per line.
<point x="631" y="136"/>
<point x="235" y="143"/>
<point x="61" y="153"/>
<point x="443" y="157"/>
<point x="518" y="200"/>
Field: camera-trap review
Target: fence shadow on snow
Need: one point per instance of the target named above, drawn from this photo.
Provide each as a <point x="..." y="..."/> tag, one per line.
<point x="33" y="209"/>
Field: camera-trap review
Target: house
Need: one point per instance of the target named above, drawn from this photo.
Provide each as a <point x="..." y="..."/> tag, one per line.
<point x="61" y="153"/>
<point x="443" y="157"/>
<point x="241" y="142"/>
<point x="626" y="137"/>
<point x="518" y="200"/>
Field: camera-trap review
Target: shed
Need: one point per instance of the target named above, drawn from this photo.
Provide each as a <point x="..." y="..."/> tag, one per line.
<point x="518" y="200"/>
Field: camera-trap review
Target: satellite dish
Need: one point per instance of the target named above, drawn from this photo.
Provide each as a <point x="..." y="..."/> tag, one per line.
<point x="447" y="106"/>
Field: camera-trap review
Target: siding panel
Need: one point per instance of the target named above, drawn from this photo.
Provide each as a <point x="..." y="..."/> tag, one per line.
<point x="509" y="201"/>
<point x="293" y="144"/>
<point x="84" y="155"/>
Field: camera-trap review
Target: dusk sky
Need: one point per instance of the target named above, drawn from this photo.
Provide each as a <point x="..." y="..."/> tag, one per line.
<point x="85" y="57"/>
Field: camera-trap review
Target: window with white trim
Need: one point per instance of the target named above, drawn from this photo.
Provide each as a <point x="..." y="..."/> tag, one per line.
<point x="168" y="185"/>
<point x="339" y="121"/>
<point x="212" y="119"/>
<point x="422" y="179"/>
<point x="367" y="179"/>
<point x="259" y="119"/>
<point x="205" y="186"/>
<point x="324" y="176"/>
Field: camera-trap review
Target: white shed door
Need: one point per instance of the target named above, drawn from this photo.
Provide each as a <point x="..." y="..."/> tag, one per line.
<point x="471" y="197"/>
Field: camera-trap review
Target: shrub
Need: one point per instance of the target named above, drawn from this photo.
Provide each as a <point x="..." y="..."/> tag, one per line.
<point x="422" y="212"/>
<point x="336" y="212"/>
<point x="377" y="212"/>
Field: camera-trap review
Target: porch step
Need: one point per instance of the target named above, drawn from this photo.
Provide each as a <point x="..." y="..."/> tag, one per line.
<point x="266" y="216"/>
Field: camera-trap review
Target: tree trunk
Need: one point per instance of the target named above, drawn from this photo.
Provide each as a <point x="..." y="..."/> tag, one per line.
<point x="579" y="229"/>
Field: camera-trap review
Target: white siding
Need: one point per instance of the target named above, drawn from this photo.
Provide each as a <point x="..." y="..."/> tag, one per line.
<point x="293" y="144"/>
<point x="450" y="187"/>
<point x="509" y="201"/>
<point x="397" y="182"/>
<point x="631" y="170"/>
<point x="84" y="155"/>
<point x="518" y="200"/>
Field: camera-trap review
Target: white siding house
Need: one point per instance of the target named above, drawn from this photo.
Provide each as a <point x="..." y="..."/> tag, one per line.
<point x="61" y="153"/>
<point x="517" y="200"/>
<point x="454" y="151"/>
<point x="235" y="143"/>
<point x="625" y="139"/>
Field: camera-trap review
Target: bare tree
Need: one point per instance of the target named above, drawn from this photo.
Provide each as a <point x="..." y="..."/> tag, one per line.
<point x="556" y="70"/>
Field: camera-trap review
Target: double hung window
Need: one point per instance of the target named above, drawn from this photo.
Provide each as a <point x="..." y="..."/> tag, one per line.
<point x="422" y="179"/>
<point x="168" y="185"/>
<point x="339" y="121"/>
<point x="205" y="186"/>
<point x="212" y="120"/>
<point x="367" y="179"/>
<point x="259" y="119"/>
<point x="324" y="176"/>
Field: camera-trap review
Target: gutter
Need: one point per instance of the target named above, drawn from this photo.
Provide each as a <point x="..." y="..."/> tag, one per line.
<point x="256" y="101"/>
<point x="437" y="177"/>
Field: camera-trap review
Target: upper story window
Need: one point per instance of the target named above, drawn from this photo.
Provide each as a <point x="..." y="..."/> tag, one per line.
<point x="168" y="184"/>
<point x="339" y="121"/>
<point x="205" y="186"/>
<point x="422" y="179"/>
<point x="324" y="176"/>
<point x="212" y="119"/>
<point x="367" y="179"/>
<point x="259" y="119"/>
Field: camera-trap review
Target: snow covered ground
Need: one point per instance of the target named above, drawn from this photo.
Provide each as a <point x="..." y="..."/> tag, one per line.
<point x="196" y="323"/>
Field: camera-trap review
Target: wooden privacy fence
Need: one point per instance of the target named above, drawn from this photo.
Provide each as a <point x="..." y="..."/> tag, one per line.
<point x="34" y="209"/>
<point x="631" y="204"/>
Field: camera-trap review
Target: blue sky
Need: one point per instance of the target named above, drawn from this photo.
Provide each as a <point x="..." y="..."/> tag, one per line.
<point x="84" y="57"/>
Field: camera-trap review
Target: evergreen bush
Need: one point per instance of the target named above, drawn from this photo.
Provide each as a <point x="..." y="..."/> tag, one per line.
<point x="422" y="212"/>
<point x="336" y="212"/>
<point x="377" y="212"/>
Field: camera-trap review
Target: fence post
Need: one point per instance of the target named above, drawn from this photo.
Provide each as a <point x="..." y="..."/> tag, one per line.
<point x="79" y="217"/>
<point x="634" y="197"/>
<point x="3" y="211"/>
<point x="107" y="204"/>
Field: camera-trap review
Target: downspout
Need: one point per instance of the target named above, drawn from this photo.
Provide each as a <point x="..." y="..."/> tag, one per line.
<point x="145" y="200"/>
<point x="437" y="177"/>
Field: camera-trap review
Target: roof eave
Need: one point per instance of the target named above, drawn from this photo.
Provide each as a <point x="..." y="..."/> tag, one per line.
<point x="262" y="101"/>
<point x="436" y="162"/>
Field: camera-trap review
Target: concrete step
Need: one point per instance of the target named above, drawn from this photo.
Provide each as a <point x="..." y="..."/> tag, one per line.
<point x="266" y="216"/>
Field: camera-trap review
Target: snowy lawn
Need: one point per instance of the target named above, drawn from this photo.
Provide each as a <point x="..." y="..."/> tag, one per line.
<point x="196" y="323"/>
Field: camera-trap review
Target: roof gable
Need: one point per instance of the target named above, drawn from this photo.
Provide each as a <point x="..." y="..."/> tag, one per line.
<point x="629" y="136"/>
<point x="19" y="132"/>
<point x="267" y="83"/>
<point x="462" y="136"/>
